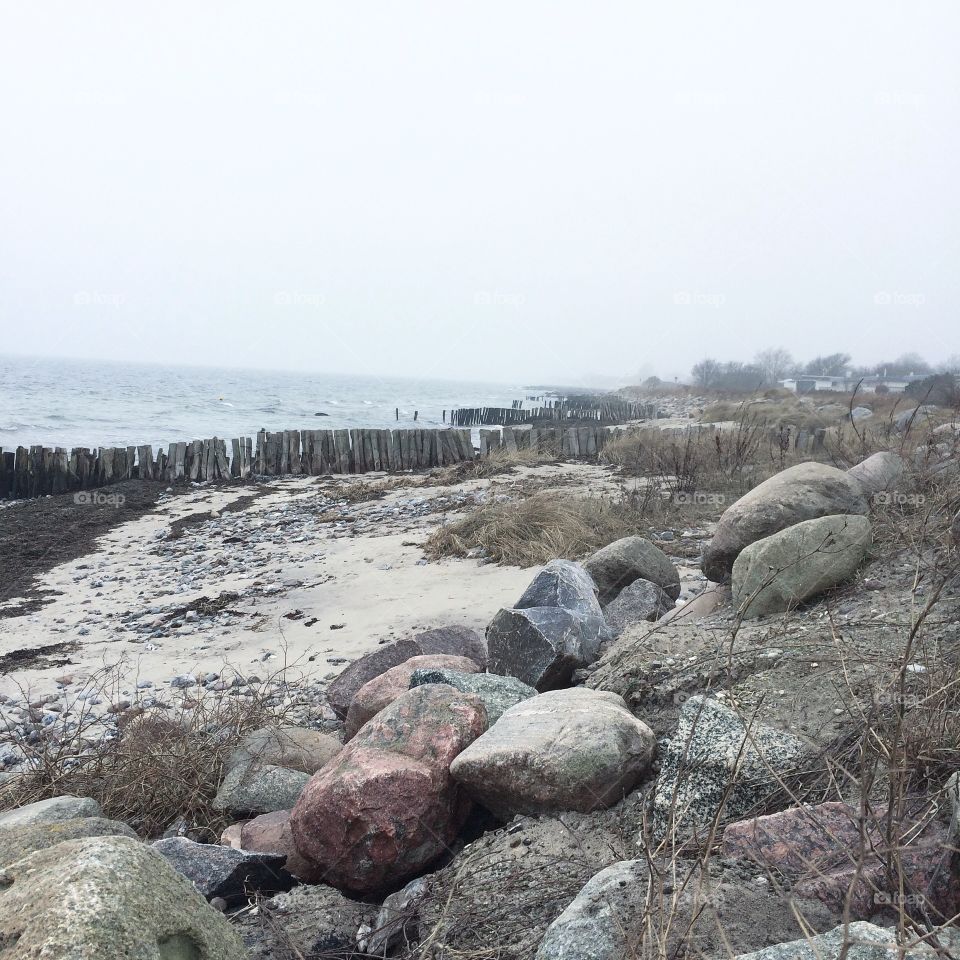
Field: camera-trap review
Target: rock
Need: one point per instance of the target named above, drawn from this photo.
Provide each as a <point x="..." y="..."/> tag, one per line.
<point x="49" y="811"/>
<point x="497" y="693"/>
<point x="640" y="601"/>
<point x="296" y="748"/>
<point x="711" y="767"/>
<point x="855" y="941"/>
<point x="223" y="872"/>
<point x="396" y="922"/>
<point x="915" y="417"/>
<point x="860" y="413"/>
<point x="20" y="841"/>
<point x="372" y="697"/>
<point x="541" y="646"/>
<point x="618" y="564"/>
<point x="455" y="641"/>
<point x="386" y="807"/>
<point x="881" y="472"/>
<point x="562" y="584"/>
<point x="259" y="788"/>
<point x="802" y="492"/>
<point x="573" y="749"/>
<point x="343" y="689"/>
<point x="270" y="833"/>
<point x="778" y="572"/>
<point x="705" y="604"/>
<point x="108" y="898"/>
<point x="817" y="848"/>
<point x="309" y="922"/>
<point x="230" y="837"/>
<point x="601" y="922"/>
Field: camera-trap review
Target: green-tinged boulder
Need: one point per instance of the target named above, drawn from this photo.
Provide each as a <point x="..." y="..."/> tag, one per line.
<point x="778" y="572"/>
<point x="19" y="842"/>
<point x="259" y="788"/>
<point x="498" y="694"/>
<point x="295" y="748"/>
<point x="47" y="811"/>
<point x="855" y="941"/>
<point x="107" y="898"/>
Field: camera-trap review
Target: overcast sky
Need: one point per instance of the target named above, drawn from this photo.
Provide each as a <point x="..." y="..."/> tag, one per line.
<point x="504" y="191"/>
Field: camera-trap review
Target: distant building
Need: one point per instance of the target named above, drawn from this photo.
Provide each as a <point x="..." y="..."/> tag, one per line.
<point x="808" y="383"/>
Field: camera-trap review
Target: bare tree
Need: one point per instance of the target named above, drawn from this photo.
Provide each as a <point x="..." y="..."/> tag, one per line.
<point x="774" y="363"/>
<point x="705" y="373"/>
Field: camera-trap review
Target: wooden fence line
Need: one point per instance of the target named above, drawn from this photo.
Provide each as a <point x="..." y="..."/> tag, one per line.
<point x="599" y="411"/>
<point x="38" y="471"/>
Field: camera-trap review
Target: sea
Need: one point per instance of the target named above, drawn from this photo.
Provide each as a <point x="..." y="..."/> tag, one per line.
<point x="85" y="403"/>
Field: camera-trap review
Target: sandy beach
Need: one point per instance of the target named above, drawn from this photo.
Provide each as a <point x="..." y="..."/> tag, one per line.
<point x="293" y="574"/>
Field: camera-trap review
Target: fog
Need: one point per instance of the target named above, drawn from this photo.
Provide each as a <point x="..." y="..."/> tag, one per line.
<point x="502" y="191"/>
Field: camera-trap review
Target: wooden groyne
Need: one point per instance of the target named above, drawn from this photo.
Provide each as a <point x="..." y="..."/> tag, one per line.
<point x="39" y="471"/>
<point x="577" y="409"/>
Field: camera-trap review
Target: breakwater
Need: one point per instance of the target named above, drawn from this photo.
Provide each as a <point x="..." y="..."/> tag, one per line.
<point x="38" y="471"/>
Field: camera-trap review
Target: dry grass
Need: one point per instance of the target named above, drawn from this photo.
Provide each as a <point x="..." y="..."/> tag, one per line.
<point x="151" y="767"/>
<point x="539" y="528"/>
<point x="497" y="463"/>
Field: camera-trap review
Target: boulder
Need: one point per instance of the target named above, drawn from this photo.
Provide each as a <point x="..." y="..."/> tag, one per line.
<point x="603" y="918"/>
<point x="573" y="749"/>
<point x="20" y="841"/>
<point x="497" y="693"/>
<point x="372" y="697"/>
<point x="882" y="472"/>
<point x="915" y="417"/>
<point x="542" y="646"/>
<point x="858" y="940"/>
<point x="860" y="413"/>
<point x="639" y="602"/>
<point x="270" y="833"/>
<point x="817" y="848"/>
<point x="778" y="572"/>
<point x="396" y="921"/>
<point x="108" y="898"/>
<point x="704" y="604"/>
<point x="718" y="766"/>
<point x="563" y="584"/>
<point x="454" y="640"/>
<point x="386" y="806"/>
<point x="296" y="748"/>
<point x="51" y="810"/>
<point x="618" y="564"/>
<point x="259" y="788"/>
<point x="802" y="492"/>
<point x="223" y="872"/>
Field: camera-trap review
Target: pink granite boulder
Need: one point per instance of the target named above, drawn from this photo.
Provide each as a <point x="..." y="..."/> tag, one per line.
<point x="378" y="693"/>
<point x="386" y="806"/>
<point x="270" y="833"/>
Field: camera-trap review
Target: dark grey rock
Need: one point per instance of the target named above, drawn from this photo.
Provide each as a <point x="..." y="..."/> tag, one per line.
<point x="457" y="641"/>
<point x="563" y="584"/>
<point x="497" y="693"/>
<point x="619" y="563"/>
<point x="225" y="872"/>
<point x="396" y="923"/>
<point x="542" y="646"/>
<point x="640" y="601"/>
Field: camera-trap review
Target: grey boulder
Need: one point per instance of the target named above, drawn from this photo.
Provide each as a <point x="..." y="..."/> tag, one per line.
<point x="51" y="810"/>
<point x="802" y="492"/>
<point x="556" y="627"/>
<point x="573" y="749"/>
<point x="224" y="872"/>
<point x="641" y="601"/>
<point x="259" y="788"/>
<point x="296" y="748"/>
<point x="497" y="693"/>
<point x="880" y="473"/>
<point x="618" y="564"/>
<point x="17" y="842"/>
<point x="775" y="574"/>
<point x="599" y="923"/>
<point x="108" y="898"/>
<point x="858" y="940"/>
<point x="716" y="766"/>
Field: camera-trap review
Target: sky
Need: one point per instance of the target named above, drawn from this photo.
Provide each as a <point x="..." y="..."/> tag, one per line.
<point x="529" y="191"/>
